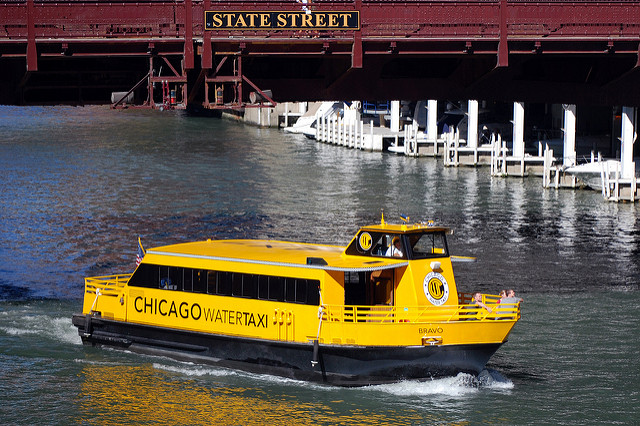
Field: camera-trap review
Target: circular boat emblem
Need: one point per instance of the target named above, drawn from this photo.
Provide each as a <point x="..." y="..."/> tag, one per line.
<point x="365" y="241"/>
<point x="436" y="288"/>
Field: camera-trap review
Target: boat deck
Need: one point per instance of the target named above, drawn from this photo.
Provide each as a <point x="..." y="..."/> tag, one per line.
<point x="316" y="256"/>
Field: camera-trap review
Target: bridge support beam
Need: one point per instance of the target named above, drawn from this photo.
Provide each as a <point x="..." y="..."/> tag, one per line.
<point x="32" y="54"/>
<point x="569" y="129"/>
<point x="629" y="121"/>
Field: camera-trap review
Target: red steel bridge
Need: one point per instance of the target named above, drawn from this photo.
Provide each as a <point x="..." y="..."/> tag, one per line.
<point x="222" y="54"/>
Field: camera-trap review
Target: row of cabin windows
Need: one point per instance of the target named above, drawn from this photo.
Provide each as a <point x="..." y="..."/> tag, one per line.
<point x="223" y="283"/>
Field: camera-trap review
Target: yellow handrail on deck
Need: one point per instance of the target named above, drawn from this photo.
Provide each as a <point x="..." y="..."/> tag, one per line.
<point x="420" y="314"/>
<point x="109" y="285"/>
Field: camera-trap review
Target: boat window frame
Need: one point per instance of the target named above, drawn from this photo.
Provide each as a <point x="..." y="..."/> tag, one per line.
<point x="433" y="255"/>
<point x="228" y="283"/>
<point x="378" y="251"/>
<point x="377" y="248"/>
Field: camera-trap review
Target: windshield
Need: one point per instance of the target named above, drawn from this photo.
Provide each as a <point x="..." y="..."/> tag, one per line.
<point x="427" y="245"/>
<point x="419" y="245"/>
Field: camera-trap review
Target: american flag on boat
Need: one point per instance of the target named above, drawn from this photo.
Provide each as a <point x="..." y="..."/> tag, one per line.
<point x="140" y="253"/>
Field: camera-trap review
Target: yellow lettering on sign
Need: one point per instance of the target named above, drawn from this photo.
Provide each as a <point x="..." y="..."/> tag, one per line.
<point x="306" y="21"/>
<point x="293" y="20"/>
<point x="240" y="22"/>
<point x="217" y="20"/>
<point x="282" y="20"/>
<point x="264" y="20"/>
<point x="252" y="17"/>
<point x="229" y="16"/>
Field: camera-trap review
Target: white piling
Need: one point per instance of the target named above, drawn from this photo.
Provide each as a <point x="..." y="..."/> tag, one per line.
<point x="334" y="130"/>
<point x="432" y="120"/>
<point x="545" y="167"/>
<point x="472" y="124"/>
<point x="504" y="157"/>
<point x="395" y="116"/>
<point x="627" y="140"/>
<point x="518" y="129"/>
<point x="603" y="180"/>
<point x="569" y="153"/>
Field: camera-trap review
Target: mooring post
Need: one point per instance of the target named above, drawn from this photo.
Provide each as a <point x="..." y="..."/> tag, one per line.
<point x="518" y="129"/>
<point x="569" y="153"/>
<point x="629" y="116"/>
<point x="395" y="116"/>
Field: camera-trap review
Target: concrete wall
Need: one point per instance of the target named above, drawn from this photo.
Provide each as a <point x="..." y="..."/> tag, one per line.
<point x="274" y="117"/>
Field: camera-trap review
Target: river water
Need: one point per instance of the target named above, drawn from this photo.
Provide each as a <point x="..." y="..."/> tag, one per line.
<point x="79" y="185"/>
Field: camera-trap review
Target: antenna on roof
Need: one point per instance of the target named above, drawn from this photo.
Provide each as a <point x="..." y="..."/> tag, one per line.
<point x="382" y="214"/>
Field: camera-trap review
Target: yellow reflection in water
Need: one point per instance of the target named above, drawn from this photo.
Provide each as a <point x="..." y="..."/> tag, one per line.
<point x="135" y="394"/>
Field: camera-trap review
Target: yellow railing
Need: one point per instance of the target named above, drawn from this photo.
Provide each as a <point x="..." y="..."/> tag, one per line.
<point x="426" y="314"/>
<point x="467" y="298"/>
<point x="109" y="285"/>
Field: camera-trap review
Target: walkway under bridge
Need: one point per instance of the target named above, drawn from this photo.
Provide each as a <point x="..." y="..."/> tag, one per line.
<point x="230" y="54"/>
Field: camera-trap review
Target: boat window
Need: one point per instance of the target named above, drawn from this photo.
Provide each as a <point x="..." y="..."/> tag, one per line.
<point x="301" y="291"/>
<point x="224" y="283"/>
<point x="276" y="288"/>
<point x="427" y="245"/>
<point x="263" y="287"/>
<point x="199" y="281"/>
<point x="313" y="292"/>
<point x="146" y="275"/>
<point x="377" y="244"/>
<point x="388" y="245"/>
<point x="236" y="280"/>
<point x="187" y="280"/>
<point x="250" y="286"/>
<point x="290" y="289"/>
<point x="170" y="278"/>
<point x="211" y="282"/>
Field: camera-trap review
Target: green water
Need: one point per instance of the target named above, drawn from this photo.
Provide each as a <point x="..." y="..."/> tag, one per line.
<point x="79" y="185"/>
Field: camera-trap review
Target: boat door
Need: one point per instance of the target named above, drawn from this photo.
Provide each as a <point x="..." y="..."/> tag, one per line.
<point x="370" y="288"/>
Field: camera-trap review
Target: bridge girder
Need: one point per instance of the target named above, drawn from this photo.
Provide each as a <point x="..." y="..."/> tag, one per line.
<point x="561" y="51"/>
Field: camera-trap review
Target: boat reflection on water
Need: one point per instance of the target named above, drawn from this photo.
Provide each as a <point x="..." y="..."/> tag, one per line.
<point x="154" y="393"/>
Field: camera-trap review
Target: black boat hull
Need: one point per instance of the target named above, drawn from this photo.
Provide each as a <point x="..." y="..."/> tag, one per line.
<point x="341" y="365"/>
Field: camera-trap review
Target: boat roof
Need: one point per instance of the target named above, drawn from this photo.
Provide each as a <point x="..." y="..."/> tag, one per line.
<point x="285" y="253"/>
<point x="276" y="253"/>
<point x="406" y="228"/>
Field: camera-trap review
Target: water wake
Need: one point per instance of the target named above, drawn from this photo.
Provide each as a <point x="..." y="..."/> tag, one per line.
<point x="23" y="321"/>
<point x="194" y="370"/>
<point x="460" y="385"/>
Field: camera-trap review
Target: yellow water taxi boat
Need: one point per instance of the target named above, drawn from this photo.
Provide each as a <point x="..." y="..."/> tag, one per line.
<point x="385" y="308"/>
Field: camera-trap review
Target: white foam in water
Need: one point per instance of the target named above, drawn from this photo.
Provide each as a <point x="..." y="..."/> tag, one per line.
<point x="64" y="330"/>
<point x="195" y="370"/>
<point x="57" y="328"/>
<point x="492" y="379"/>
<point x="189" y="369"/>
<point x="94" y="362"/>
<point x="18" y="331"/>
<point x="460" y="385"/>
